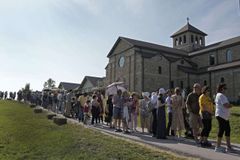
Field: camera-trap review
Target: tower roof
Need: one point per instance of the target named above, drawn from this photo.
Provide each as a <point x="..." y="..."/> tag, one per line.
<point x="188" y="28"/>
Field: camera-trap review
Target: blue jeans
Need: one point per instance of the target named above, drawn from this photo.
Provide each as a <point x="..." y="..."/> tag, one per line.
<point x="80" y="114"/>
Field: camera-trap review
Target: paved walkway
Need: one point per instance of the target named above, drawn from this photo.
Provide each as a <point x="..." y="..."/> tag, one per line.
<point x="184" y="147"/>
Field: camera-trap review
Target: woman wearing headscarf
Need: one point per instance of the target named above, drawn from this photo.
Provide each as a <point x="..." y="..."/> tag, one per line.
<point x="177" y="113"/>
<point x="154" y="99"/>
<point x="144" y="113"/>
<point x="109" y="111"/>
<point x="161" y="115"/>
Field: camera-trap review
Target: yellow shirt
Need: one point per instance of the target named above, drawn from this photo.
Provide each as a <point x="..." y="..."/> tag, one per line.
<point x="206" y="104"/>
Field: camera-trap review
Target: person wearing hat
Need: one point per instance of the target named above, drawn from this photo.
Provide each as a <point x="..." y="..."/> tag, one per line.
<point x="193" y="108"/>
<point x="134" y="112"/>
<point x="161" y="115"/>
<point x="177" y="106"/>
<point x="144" y="113"/>
<point x="222" y="114"/>
<point x="153" y="103"/>
<point x="206" y="112"/>
<point x="169" y="112"/>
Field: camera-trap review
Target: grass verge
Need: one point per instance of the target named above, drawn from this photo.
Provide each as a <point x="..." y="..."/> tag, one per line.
<point x="26" y="135"/>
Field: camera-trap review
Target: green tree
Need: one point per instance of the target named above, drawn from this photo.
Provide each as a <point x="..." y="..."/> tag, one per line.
<point x="50" y="83"/>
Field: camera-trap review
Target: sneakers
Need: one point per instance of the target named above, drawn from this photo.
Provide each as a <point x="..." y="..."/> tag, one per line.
<point x="220" y="149"/>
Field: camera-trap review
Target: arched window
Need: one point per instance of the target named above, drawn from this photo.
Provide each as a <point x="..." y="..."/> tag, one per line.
<point x="211" y="59"/>
<point x="196" y="40"/>
<point x="192" y="39"/>
<point x="172" y="84"/>
<point x="184" y="39"/>
<point x="182" y="61"/>
<point x="176" y="42"/>
<point x="181" y="84"/>
<point x="222" y="80"/>
<point x="180" y="40"/>
<point x="205" y="83"/>
<point x="200" y="41"/>
<point x="159" y="70"/>
<point x="229" y="56"/>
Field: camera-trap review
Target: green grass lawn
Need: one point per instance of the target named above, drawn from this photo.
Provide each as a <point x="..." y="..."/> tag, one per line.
<point x="234" y="123"/>
<point x="26" y="135"/>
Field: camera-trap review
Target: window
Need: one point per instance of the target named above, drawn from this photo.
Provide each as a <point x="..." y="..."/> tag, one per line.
<point x="182" y="61"/>
<point x="180" y="40"/>
<point x="184" y="39"/>
<point x="192" y="38"/>
<point x="229" y="56"/>
<point x="200" y="41"/>
<point x="222" y="80"/>
<point x="211" y="59"/>
<point x="160" y="70"/>
<point x="176" y="42"/>
<point x="196" y="40"/>
<point x="172" y="84"/>
<point x="205" y="83"/>
<point x="181" y="84"/>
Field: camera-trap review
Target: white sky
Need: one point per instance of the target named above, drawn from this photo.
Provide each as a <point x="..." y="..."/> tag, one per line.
<point x="68" y="39"/>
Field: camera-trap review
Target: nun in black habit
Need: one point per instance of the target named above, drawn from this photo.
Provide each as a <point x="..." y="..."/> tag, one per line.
<point x="161" y="115"/>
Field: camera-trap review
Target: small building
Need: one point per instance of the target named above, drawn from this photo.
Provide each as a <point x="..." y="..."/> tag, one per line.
<point x="89" y="84"/>
<point x="68" y="86"/>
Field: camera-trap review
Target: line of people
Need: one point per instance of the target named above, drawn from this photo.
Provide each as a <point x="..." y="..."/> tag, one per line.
<point x="193" y="115"/>
<point x="4" y="95"/>
<point x="121" y="111"/>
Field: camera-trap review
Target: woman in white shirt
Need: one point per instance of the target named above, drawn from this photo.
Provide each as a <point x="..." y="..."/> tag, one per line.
<point x="222" y="114"/>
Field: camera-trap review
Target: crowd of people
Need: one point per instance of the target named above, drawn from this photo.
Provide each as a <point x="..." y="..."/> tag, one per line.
<point x="4" y="95"/>
<point x="193" y="114"/>
<point x="162" y="113"/>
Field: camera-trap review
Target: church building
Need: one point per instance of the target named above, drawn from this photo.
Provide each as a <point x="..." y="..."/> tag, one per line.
<point x="145" y="66"/>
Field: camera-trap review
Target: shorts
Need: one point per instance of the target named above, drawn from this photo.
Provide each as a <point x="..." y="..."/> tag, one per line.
<point x="117" y="113"/>
<point x="195" y="121"/>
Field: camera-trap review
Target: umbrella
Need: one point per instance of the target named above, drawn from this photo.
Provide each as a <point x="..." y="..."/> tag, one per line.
<point x="55" y="89"/>
<point x="46" y="89"/>
<point x="112" y="88"/>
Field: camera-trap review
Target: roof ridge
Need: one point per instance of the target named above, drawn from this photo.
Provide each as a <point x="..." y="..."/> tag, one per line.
<point x="190" y="28"/>
<point x="70" y="82"/>
<point x="126" y="38"/>
<point x="216" y="45"/>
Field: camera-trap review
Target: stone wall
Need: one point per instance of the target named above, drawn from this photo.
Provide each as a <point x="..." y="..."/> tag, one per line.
<point x="152" y="79"/>
<point x="116" y="73"/>
<point x="231" y="78"/>
<point x="222" y="54"/>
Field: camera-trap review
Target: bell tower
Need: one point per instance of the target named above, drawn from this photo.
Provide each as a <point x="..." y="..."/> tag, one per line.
<point x="188" y="38"/>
